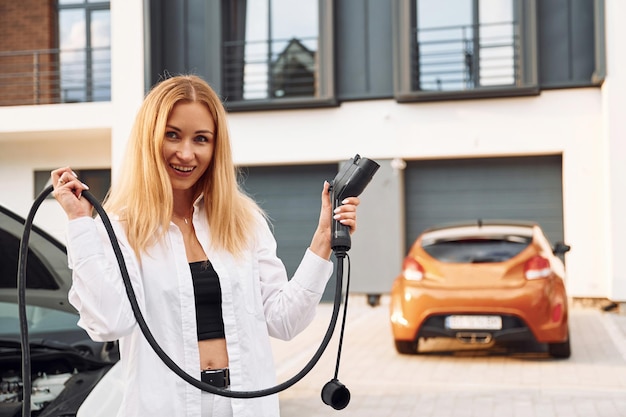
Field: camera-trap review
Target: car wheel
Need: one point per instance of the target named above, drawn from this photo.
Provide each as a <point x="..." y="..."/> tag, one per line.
<point x="407" y="347"/>
<point x="560" y="350"/>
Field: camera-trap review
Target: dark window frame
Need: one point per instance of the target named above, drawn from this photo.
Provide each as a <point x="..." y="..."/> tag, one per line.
<point x="528" y="84"/>
<point x="324" y="95"/>
<point x="599" y="74"/>
<point x="87" y="7"/>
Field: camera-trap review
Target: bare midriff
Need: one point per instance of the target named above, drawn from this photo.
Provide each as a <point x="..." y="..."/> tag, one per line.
<point x="213" y="354"/>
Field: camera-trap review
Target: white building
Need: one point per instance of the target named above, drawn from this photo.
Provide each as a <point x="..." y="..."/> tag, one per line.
<point x="581" y="126"/>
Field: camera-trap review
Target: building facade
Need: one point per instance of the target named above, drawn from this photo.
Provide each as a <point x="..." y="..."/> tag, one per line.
<point x="474" y="109"/>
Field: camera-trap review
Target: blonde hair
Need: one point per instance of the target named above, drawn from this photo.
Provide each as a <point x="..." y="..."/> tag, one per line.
<point x="142" y="196"/>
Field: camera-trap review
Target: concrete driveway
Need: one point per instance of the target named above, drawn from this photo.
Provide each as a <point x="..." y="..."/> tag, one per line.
<point x="453" y="380"/>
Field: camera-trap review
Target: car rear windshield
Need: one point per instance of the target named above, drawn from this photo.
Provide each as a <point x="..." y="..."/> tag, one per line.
<point x="473" y="250"/>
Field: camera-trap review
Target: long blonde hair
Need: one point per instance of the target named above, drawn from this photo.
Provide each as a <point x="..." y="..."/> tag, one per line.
<point x="142" y="196"/>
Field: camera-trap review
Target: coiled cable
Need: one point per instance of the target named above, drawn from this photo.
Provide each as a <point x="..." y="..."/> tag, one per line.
<point x="26" y="364"/>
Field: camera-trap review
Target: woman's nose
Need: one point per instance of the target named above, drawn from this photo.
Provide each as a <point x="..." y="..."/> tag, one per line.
<point x="185" y="150"/>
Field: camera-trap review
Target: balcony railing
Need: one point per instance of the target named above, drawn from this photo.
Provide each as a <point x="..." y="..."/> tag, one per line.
<point x="55" y="76"/>
<point x="270" y="69"/>
<point x="466" y="57"/>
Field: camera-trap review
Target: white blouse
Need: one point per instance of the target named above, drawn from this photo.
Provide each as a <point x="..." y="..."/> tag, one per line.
<point x="258" y="301"/>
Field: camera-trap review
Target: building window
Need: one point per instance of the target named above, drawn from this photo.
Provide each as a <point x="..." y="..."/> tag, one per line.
<point x="84" y="50"/>
<point x="465" y="48"/>
<point x="277" y="53"/>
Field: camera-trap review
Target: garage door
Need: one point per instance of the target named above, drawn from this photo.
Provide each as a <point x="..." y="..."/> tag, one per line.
<point x="521" y="188"/>
<point x="291" y="197"/>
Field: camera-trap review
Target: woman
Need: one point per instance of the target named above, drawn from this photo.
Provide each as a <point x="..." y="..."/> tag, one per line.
<point x="201" y="258"/>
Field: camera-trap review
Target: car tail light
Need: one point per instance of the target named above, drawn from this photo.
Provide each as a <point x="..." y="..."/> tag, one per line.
<point x="412" y="270"/>
<point x="537" y="267"/>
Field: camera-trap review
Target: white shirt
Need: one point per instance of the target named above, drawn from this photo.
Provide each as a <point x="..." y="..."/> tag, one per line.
<point x="258" y="301"/>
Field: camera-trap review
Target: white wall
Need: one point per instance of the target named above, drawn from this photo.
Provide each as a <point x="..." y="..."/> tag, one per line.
<point x="614" y="102"/>
<point x="38" y="121"/>
<point x="20" y="158"/>
<point x="127" y="71"/>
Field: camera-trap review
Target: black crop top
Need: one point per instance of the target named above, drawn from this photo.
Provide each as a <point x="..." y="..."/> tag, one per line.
<point x="208" y="296"/>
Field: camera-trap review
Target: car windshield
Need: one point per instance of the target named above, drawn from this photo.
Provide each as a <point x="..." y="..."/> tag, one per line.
<point x="473" y="250"/>
<point x="40" y="320"/>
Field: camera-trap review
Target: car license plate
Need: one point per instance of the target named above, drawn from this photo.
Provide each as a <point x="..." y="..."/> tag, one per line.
<point x="474" y="322"/>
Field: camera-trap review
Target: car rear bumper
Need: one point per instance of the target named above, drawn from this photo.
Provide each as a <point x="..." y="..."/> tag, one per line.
<point x="513" y="329"/>
<point x="526" y="312"/>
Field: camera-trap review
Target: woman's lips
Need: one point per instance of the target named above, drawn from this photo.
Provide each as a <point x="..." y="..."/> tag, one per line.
<point x="182" y="170"/>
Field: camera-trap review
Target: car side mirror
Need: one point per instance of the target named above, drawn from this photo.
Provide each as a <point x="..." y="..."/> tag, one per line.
<point x="561" y="248"/>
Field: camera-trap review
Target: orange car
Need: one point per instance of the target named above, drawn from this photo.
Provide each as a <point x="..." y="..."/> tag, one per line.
<point x="482" y="281"/>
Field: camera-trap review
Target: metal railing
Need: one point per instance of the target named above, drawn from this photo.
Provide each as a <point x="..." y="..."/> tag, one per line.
<point x="253" y="70"/>
<point x="50" y="76"/>
<point x="466" y="56"/>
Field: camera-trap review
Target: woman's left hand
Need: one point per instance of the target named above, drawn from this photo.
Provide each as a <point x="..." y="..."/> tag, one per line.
<point x="345" y="214"/>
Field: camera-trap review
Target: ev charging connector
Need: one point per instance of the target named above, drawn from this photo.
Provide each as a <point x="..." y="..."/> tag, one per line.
<point x="350" y="181"/>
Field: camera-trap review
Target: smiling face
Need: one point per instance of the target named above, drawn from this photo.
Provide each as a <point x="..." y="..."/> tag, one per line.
<point x="188" y="144"/>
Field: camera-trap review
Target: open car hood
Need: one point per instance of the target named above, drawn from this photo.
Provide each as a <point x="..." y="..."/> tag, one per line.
<point x="48" y="278"/>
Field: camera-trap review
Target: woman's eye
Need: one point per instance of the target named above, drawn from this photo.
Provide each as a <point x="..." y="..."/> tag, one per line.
<point x="202" y="139"/>
<point x="171" y="135"/>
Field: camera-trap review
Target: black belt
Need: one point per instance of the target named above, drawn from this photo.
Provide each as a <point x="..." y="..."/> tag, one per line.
<point x="219" y="378"/>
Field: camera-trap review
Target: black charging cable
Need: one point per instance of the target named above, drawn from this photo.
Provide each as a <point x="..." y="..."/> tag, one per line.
<point x="333" y="393"/>
<point x="21" y="301"/>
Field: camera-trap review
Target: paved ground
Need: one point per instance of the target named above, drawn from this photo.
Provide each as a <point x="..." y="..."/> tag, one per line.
<point x="450" y="380"/>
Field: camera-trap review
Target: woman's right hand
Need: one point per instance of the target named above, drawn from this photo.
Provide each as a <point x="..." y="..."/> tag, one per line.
<point x="68" y="192"/>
